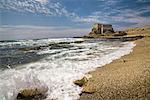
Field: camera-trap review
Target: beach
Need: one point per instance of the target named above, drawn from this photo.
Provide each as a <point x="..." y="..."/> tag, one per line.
<point x="52" y="65"/>
<point x="74" y="49"/>
<point x="57" y="65"/>
<point x="127" y="78"/>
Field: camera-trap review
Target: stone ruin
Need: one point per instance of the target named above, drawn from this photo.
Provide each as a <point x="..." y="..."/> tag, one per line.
<point x="103" y="29"/>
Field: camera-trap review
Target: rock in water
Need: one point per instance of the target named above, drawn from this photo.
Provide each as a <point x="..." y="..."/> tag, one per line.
<point x="83" y="80"/>
<point x="37" y="93"/>
<point x="28" y="86"/>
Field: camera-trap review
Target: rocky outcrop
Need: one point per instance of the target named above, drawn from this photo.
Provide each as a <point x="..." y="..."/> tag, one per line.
<point x="143" y="31"/>
<point x="89" y="89"/>
<point x="125" y="38"/>
<point x="104" y="30"/>
<point x="119" y="33"/>
<point x="32" y="93"/>
<point x="81" y="82"/>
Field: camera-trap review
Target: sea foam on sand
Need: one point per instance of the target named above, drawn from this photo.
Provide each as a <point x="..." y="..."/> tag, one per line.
<point x="56" y="75"/>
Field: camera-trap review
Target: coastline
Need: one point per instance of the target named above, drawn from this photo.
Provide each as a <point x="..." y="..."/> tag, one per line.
<point x="124" y="78"/>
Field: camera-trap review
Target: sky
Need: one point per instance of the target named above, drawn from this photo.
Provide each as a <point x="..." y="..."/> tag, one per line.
<point x="28" y="19"/>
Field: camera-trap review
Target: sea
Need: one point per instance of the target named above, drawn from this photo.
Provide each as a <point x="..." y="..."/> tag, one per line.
<point x="54" y="63"/>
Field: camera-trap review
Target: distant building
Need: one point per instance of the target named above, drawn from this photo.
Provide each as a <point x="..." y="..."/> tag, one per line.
<point x="99" y="28"/>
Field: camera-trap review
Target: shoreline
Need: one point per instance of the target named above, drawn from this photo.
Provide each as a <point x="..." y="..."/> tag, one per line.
<point x="124" y="78"/>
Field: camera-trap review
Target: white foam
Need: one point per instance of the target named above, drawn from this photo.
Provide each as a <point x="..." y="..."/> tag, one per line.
<point x="59" y="74"/>
<point x="16" y="81"/>
<point x="39" y="42"/>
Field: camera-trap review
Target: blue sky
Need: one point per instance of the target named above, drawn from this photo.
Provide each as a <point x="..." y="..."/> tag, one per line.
<point x="60" y="18"/>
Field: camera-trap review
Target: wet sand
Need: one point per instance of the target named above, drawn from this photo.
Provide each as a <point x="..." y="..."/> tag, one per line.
<point x="124" y="79"/>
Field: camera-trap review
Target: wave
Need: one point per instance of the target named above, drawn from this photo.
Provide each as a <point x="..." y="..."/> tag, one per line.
<point x="59" y="70"/>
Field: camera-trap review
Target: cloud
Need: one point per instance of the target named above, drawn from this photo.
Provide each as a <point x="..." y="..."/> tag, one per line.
<point x="143" y="1"/>
<point x="102" y="15"/>
<point x="103" y="11"/>
<point x="47" y="7"/>
<point x="34" y="32"/>
<point x="42" y="1"/>
<point x="118" y="16"/>
<point x="87" y="19"/>
<point x="110" y="2"/>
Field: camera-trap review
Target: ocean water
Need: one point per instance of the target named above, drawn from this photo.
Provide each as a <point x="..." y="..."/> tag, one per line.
<point x="53" y="64"/>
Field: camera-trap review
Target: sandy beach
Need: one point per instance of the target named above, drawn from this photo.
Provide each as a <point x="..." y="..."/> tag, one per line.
<point x="127" y="78"/>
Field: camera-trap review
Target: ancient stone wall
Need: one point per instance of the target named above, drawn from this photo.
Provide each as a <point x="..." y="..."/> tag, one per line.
<point x="102" y="29"/>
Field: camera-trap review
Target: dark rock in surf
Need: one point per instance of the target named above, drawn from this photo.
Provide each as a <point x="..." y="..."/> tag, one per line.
<point x="32" y="94"/>
<point x="78" y="41"/>
<point x="81" y="82"/>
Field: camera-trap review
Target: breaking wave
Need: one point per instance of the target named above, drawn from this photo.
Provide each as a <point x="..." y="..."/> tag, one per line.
<point x="60" y="67"/>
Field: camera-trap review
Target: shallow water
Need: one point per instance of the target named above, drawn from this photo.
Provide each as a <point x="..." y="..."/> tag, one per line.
<point x="55" y="63"/>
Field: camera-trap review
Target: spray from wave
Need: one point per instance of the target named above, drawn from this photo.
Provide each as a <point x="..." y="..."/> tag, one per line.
<point x="66" y="60"/>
